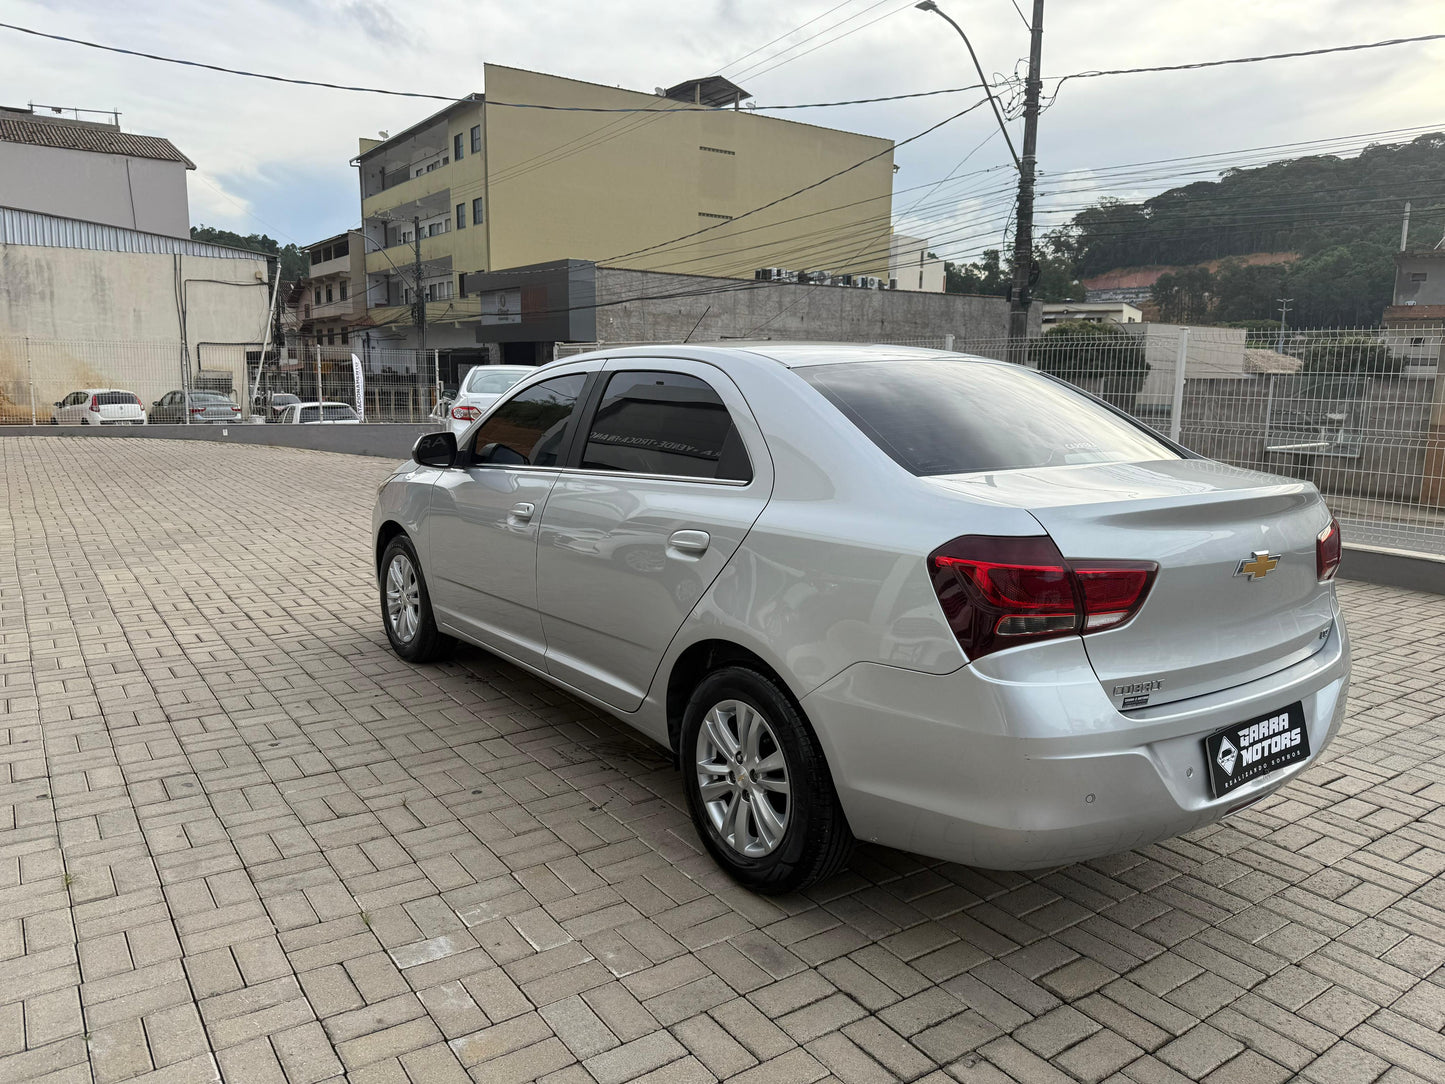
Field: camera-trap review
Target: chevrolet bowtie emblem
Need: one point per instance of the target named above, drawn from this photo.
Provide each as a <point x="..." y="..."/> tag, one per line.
<point x="1260" y="564"/>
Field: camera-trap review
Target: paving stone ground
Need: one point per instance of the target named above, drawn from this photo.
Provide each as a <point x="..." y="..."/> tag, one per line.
<point x="241" y="841"/>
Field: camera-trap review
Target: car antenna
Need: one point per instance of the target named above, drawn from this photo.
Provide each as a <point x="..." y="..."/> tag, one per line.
<point x="700" y="319"/>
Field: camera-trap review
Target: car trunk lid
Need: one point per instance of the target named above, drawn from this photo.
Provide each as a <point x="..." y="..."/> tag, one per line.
<point x="1217" y="614"/>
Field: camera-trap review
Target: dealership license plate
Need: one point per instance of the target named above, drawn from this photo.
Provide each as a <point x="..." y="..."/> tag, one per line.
<point x="1245" y="751"/>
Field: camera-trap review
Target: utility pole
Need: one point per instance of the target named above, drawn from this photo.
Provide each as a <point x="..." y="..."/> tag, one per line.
<point x="1284" y="304"/>
<point x="1020" y="294"/>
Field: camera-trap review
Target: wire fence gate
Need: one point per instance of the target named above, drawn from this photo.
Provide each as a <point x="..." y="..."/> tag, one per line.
<point x="1359" y="412"/>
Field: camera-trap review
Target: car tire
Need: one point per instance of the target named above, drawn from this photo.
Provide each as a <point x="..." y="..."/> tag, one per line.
<point x="801" y="835"/>
<point x="406" y="612"/>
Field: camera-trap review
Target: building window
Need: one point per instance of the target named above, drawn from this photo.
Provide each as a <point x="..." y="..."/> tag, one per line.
<point x="709" y="214"/>
<point x="477" y="211"/>
<point x="343" y="289"/>
<point x="318" y="295"/>
<point x="421" y="171"/>
<point x="329" y="298"/>
<point x="1417" y="276"/>
<point x="340" y="249"/>
<point x="476" y="139"/>
<point x="457" y="146"/>
<point x="461" y="213"/>
<point x="717" y="150"/>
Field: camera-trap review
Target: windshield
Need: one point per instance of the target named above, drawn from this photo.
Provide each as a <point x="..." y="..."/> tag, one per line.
<point x="941" y="416"/>
<point x="484" y="381"/>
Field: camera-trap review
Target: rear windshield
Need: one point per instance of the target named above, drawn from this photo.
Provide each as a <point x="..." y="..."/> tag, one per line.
<point x="940" y="416"/>
<point x="482" y="382"/>
<point x="115" y="398"/>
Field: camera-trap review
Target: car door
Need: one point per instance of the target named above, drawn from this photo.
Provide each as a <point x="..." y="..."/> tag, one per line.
<point x="482" y="523"/>
<point x="667" y="479"/>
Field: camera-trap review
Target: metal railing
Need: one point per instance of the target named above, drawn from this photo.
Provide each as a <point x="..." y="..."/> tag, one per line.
<point x="1358" y="412"/>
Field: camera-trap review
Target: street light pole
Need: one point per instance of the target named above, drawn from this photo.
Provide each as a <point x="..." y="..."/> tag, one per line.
<point x="1023" y="258"/>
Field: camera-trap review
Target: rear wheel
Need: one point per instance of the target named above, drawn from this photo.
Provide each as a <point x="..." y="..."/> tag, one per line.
<point x="757" y="785"/>
<point x="406" y="606"/>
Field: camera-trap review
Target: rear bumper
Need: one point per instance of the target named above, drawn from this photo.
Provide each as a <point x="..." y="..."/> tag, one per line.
<point x="1027" y="764"/>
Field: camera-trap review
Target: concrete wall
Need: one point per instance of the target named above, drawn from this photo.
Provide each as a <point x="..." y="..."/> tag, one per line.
<point x="113" y="319"/>
<point x="786" y="311"/>
<point x="384" y="441"/>
<point x="116" y="190"/>
<point x="1427" y="291"/>
<point x="652" y="181"/>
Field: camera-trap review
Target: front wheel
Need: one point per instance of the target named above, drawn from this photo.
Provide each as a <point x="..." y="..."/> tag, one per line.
<point x="406" y="606"/>
<point x="757" y="785"/>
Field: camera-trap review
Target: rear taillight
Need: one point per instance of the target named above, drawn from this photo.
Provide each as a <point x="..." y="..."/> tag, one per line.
<point x="1000" y="591"/>
<point x="1327" y="551"/>
<point x="95" y="404"/>
<point x="466" y="413"/>
<point x="198" y="410"/>
<point x="138" y="402"/>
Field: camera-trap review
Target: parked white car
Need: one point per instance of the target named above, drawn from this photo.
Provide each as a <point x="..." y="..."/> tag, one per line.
<point x="99" y="406"/>
<point x="319" y="414"/>
<point x="483" y="386"/>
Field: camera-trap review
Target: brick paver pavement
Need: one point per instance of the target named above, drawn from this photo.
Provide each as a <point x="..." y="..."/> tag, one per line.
<point x="242" y="841"/>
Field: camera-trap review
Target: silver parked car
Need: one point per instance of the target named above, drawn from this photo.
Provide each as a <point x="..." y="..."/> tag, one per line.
<point x="194" y="408"/>
<point x="926" y="600"/>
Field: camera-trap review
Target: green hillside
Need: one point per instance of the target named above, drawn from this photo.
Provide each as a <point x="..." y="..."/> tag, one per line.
<point x="1341" y="215"/>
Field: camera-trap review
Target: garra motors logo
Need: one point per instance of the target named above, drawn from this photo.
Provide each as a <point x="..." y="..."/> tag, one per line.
<point x="1227" y="756"/>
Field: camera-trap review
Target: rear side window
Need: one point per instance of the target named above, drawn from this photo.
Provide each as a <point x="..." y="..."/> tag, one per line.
<point x="528" y="429"/>
<point x="939" y="416"/>
<point x="481" y="381"/>
<point x="665" y="423"/>
<point x="115" y="398"/>
<point x="310" y="414"/>
<point x="339" y="413"/>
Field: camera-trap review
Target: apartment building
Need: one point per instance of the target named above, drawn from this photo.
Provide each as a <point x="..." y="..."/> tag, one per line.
<point x="332" y="298"/>
<point x="542" y="168"/>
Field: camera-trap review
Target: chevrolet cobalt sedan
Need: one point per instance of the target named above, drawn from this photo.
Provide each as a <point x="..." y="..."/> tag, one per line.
<point x="917" y="598"/>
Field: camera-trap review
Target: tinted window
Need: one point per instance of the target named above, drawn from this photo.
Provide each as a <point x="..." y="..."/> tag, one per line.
<point x="665" y="423"/>
<point x="481" y="381"/>
<point x="115" y="398"/>
<point x="957" y="417"/>
<point x="339" y="413"/>
<point x="310" y="414"/>
<point x="528" y="428"/>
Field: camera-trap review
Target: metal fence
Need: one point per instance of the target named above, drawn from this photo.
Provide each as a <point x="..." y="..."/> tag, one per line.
<point x="38" y="375"/>
<point x="1359" y="412"/>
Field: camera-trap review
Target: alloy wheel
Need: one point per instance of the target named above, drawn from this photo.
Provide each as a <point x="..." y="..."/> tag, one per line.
<point x="403" y="598"/>
<point x="742" y="777"/>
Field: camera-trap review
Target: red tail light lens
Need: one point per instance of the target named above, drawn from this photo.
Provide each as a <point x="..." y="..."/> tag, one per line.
<point x="95" y="404"/>
<point x="998" y="592"/>
<point x="138" y="402"/>
<point x="1327" y="551"/>
<point x="198" y="410"/>
<point x="466" y="413"/>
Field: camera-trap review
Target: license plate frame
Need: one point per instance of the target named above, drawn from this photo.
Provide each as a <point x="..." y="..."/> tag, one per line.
<point x="1280" y="738"/>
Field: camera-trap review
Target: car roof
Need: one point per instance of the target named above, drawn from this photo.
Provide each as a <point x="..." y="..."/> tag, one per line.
<point x="793" y="355"/>
<point x="99" y="391"/>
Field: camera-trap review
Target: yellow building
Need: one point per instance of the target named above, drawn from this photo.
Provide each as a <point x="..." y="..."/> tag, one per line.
<point x="495" y="181"/>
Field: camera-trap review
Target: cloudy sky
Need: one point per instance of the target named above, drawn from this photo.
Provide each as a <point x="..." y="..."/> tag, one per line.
<point x="273" y="158"/>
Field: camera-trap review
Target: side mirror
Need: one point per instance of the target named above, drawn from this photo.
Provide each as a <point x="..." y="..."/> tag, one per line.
<point x="435" y="449"/>
<point x="156" y="403"/>
<point x="501" y="455"/>
<point x="59" y="403"/>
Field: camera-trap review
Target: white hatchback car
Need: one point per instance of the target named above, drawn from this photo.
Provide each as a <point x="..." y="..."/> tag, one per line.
<point x="483" y="386"/>
<point x="932" y="601"/>
<point x="99" y="406"/>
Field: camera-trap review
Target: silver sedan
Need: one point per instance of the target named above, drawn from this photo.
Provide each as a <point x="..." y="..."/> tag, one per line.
<point x="926" y="600"/>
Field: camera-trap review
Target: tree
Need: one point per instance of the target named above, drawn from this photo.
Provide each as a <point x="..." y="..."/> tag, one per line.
<point x="1083" y="352"/>
<point x="295" y="263"/>
<point x="1184" y="297"/>
<point x="985" y="277"/>
<point x="1355" y="355"/>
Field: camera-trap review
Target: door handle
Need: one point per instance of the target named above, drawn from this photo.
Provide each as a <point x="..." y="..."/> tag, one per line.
<point x="522" y="511"/>
<point x="694" y="542"/>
